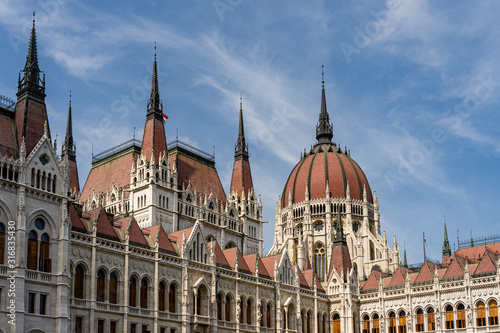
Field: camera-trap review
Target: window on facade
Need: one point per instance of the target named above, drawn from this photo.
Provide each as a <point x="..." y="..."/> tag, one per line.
<point x="101" y="285"/>
<point x="419" y="326"/>
<point x="431" y="321"/>
<point x="319" y="261"/>
<point x="112" y="326"/>
<point x="249" y="312"/>
<point x="366" y="324"/>
<point x="261" y="311"/>
<point x="481" y="314"/>
<point x="44" y="260"/>
<point x="144" y="293"/>
<point x="100" y="326"/>
<point x="2" y="243"/>
<point x="113" y="288"/>
<point x="449" y="317"/>
<point x="161" y="297"/>
<point x="227" y="308"/>
<point x="268" y="315"/>
<point x="132" y="292"/>
<point x="336" y="323"/>
<point x="79" y="325"/>
<point x="43" y="304"/>
<point x="493" y="313"/>
<point x="79" y="282"/>
<point x="32" y="250"/>
<point x="284" y="320"/>
<point x="31" y="302"/>
<point x="219" y="306"/>
<point x="461" y="316"/>
<point x="376" y="324"/>
<point x="241" y="310"/>
<point x="171" y="298"/>
<point x="392" y="322"/>
<point x="402" y="322"/>
<point x="197" y="302"/>
<point x="133" y="328"/>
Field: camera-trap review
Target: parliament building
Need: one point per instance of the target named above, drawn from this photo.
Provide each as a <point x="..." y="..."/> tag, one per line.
<point x="153" y="243"/>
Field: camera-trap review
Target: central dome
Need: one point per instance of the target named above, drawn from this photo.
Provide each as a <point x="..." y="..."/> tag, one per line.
<point x="325" y="164"/>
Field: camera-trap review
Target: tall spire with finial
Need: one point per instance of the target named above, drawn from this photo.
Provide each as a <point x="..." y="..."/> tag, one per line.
<point x="154" y="141"/>
<point x="31" y="112"/>
<point x="405" y="262"/>
<point x="69" y="150"/>
<point x="446" y="243"/>
<point x="242" y="176"/>
<point x="324" y="129"/>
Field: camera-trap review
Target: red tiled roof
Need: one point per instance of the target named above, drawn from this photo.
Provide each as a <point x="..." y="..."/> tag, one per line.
<point x="134" y="231"/>
<point x="251" y="259"/>
<point x="176" y="237"/>
<point x="8" y="139"/>
<point x="101" y="177"/>
<point x="341" y="259"/>
<point x="413" y="277"/>
<point x="269" y="263"/>
<point x="486" y="265"/>
<point x="76" y="222"/>
<point x="373" y="280"/>
<point x="220" y="258"/>
<point x="154" y="137"/>
<point x="73" y="177"/>
<point x="302" y="279"/>
<point x="425" y="274"/>
<point x="30" y="122"/>
<point x="242" y="177"/>
<point x="473" y="253"/>
<point x="311" y="278"/>
<point x="104" y="226"/>
<point x="231" y="254"/>
<point x="398" y="277"/>
<point x="454" y="270"/>
<point x="203" y="177"/>
<point x="164" y="244"/>
<point x="322" y="164"/>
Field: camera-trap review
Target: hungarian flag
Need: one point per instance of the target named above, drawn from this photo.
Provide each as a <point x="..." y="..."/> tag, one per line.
<point x="165" y="117"/>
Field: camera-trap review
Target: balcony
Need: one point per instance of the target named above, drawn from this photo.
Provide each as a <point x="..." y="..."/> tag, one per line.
<point x="204" y="320"/>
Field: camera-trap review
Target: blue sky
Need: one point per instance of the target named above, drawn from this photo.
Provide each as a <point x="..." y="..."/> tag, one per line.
<point x="412" y="88"/>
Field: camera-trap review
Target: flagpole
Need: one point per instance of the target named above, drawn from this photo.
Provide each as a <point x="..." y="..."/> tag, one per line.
<point x="425" y="257"/>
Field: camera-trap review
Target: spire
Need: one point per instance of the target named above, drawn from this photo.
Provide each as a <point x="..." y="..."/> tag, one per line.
<point x="154" y="104"/>
<point x="241" y="149"/>
<point x="31" y="80"/>
<point x="68" y="146"/>
<point x="154" y="141"/>
<point x="324" y="130"/>
<point x="405" y="262"/>
<point x="446" y="243"/>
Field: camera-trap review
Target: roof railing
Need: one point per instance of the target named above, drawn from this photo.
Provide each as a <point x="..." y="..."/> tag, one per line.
<point x="188" y="147"/>
<point x="7" y="102"/>
<point x="115" y="149"/>
<point x="479" y="241"/>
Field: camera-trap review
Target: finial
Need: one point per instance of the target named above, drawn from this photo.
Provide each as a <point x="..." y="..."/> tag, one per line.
<point x="323" y="74"/>
<point x="34" y="18"/>
<point x="70" y="98"/>
<point x="177" y="134"/>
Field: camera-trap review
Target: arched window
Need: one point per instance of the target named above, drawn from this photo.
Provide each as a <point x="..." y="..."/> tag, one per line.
<point x="376" y="324"/>
<point x="366" y="324"/>
<point x="319" y="261"/>
<point x="431" y="320"/>
<point x="2" y="243"/>
<point x="419" y="326"/>
<point x="308" y="322"/>
<point x="241" y="309"/>
<point x="461" y="316"/>
<point x="219" y="306"/>
<point x="302" y="321"/>
<point x="227" y="306"/>
<point x="144" y="293"/>
<point x="284" y="320"/>
<point x="481" y="314"/>
<point x="171" y="298"/>
<point x="79" y="283"/>
<point x="249" y="312"/>
<point x="132" y="292"/>
<point x="113" y="288"/>
<point x="449" y="317"/>
<point x="161" y="296"/>
<point x="392" y="322"/>
<point x="268" y="315"/>
<point x="402" y="322"/>
<point x="44" y="260"/>
<point x="101" y="285"/>
<point x="493" y="312"/>
<point x="32" y="250"/>
<point x="336" y="323"/>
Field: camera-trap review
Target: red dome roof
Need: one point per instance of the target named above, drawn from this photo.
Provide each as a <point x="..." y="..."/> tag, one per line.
<point x="326" y="163"/>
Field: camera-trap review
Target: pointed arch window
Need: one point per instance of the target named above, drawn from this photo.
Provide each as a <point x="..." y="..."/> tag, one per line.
<point x="113" y="288"/>
<point x="419" y="325"/>
<point x="431" y="320"/>
<point x="79" y="283"/>
<point x="449" y="317"/>
<point x="493" y="312"/>
<point x="144" y="293"/>
<point x="308" y="322"/>
<point x="227" y="308"/>
<point x="2" y="243"/>
<point x="161" y="296"/>
<point x="460" y="316"/>
<point x="171" y="298"/>
<point x="101" y="283"/>
<point x="44" y="260"/>
<point x="249" y="311"/>
<point x="366" y="324"/>
<point x="481" y="314"/>
<point x="132" y="292"/>
<point x="268" y="315"/>
<point x="336" y="323"/>
<point x="219" y="306"/>
<point x="32" y="250"/>
<point x="319" y="261"/>
<point x="402" y="322"/>
<point x="376" y="323"/>
<point x="392" y="322"/>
